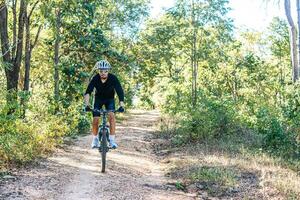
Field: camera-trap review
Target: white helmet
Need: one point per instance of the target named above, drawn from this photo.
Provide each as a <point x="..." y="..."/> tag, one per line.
<point x="102" y="65"/>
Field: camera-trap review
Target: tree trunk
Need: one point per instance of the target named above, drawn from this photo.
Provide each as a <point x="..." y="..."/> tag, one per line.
<point x="14" y="10"/>
<point x="12" y="63"/>
<point x="194" y="59"/>
<point x="27" y="65"/>
<point x="235" y="87"/>
<point x="18" y="58"/>
<point x="12" y="68"/>
<point x="56" y="56"/>
<point x="29" y="46"/>
<point x="28" y="52"/>
<point x="27" y="55"/>
<point x="298" y="15"/>
<point x="4" y="36"/>
<point x="293" y="40"/>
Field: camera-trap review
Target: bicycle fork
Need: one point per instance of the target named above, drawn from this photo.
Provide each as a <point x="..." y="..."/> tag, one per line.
<point x="104" y="144"/>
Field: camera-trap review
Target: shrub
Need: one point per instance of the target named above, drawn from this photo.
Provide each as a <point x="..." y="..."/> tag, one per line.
<point x="211" y="119"/>
<point x="278" y="137"/>
<point x="22" y="140"/>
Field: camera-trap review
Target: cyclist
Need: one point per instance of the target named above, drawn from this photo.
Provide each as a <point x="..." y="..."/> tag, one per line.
<point x="106" y="84"/>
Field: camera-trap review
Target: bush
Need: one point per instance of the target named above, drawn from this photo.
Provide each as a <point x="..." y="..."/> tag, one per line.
<point x="211" y="119"/>
<point x="77" y="121"/>
<point x="18" y="147"/>
<point x="22" y="140"/>
<point x="279" y="139"/>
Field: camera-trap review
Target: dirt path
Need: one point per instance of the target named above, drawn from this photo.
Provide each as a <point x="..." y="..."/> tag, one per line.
<point x="133" y="171"/>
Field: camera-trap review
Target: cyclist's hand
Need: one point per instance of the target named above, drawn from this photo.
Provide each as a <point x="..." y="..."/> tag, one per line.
<point x="87" y="109"/>
<point x="121" y="109"/>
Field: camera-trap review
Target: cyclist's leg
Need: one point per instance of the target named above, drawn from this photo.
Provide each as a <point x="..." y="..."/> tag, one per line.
<point x="112" y="123"/>
<point x="110" y="105"/>
<point x="95" y="140"/>
<point x="95" y="125"/>
<point x="97" y="105"/>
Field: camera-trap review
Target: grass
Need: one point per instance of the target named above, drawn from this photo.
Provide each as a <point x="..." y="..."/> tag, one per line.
<point x="234" y="161"/>
<point x="179" y="186"/>
<point x="220" y="175"/>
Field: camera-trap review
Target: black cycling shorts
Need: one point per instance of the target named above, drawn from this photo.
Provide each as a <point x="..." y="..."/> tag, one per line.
<point x="108" y="103"/>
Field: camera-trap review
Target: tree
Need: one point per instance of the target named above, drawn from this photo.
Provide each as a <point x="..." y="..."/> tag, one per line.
<point x="56" y="55"/>
<point x="83" y="32"/>
<point x="188" y="34"/>
<point x="293" y="39"/>
<point x="295" y="58"/>
<point x="194" y="60"/>
<point x="296" y="72"/>
<point x="29" y="44"/>
<point x="279" y="44"/>
<point x="12" y="55"/>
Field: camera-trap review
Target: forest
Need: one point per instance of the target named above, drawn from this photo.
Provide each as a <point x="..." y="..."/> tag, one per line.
<point x="211" y="83"/>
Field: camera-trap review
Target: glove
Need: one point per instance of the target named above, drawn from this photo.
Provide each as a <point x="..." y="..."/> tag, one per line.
<point x="121" y="109"/>
<point x="88" y="109"/>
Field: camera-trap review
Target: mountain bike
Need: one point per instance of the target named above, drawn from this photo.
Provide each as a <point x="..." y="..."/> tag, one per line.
<point x="103" y="135"/>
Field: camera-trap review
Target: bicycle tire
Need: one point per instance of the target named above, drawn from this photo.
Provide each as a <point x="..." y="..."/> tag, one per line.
<point x="103" y="149"/>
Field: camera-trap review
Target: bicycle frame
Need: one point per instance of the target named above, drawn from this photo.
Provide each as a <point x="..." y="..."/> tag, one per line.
<point x="103" y="128"/>
<point x="103" y="135"/>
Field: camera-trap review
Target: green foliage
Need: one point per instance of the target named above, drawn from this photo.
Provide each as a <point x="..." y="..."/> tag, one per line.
<point x="279" y="39"/>
<point x="22" y="141"/>
<point x="242" y="81"/>
<point x="179" y="186"/>
<point x="218" y="175"/>
<point x="238" y="78"/>
<point x="77" y="121"/>
<point x="83" y="125"/>
<point x="277" y="137"/>
<point x="210" y="119"/>
<point x="88" y="31"/>
<point x="216" y="180"/>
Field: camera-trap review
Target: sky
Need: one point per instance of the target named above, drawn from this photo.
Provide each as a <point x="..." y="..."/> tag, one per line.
<point x="250" y="14"/>
<point x="254" y="14"/>
<point x="159" y="5"/>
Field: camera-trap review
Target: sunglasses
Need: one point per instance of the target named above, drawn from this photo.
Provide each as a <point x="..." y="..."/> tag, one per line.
<point x="103" y="71"/>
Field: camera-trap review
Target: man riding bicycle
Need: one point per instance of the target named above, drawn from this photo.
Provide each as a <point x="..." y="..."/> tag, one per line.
<point x="106" y="84"/>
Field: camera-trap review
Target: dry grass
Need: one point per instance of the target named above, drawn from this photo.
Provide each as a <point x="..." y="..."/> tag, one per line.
<point x="231" y="169"/>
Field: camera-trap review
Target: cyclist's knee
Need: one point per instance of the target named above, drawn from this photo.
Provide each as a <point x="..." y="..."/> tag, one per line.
<point x="111" y="116"/>
<point x="95" y="121"/>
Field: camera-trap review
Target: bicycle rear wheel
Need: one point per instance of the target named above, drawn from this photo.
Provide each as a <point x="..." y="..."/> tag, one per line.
<point x="104" y="149"/>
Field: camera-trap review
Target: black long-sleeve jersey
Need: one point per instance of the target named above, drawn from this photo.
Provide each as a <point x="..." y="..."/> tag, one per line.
<point x="106" y="90"/>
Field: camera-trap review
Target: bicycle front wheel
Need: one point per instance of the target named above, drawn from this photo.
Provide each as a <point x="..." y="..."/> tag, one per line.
<point x="104" y="149"/>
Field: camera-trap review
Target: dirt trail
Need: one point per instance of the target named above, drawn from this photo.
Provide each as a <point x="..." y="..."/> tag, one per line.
<point x="133" y="170"/>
